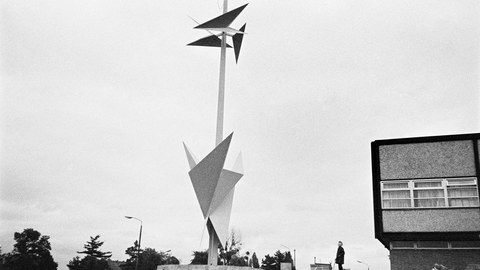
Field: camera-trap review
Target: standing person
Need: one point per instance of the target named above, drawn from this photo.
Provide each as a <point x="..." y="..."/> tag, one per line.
<point x="340" y="256"/>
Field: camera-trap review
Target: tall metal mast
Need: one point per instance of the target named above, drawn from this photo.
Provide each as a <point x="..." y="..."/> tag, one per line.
<point x="213" y="238"/>
<point x="221" y="85"/>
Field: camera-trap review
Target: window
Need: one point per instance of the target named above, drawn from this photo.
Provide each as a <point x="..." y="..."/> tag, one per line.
<point x="465" y="244"/>
<point x="462" y="193"/>
<point x="396" y="195"/>
<point x="435" y="245"/>
<point x="432" y="244"/>
<point x="430" y="193"/>
<point x="402" y="244"/>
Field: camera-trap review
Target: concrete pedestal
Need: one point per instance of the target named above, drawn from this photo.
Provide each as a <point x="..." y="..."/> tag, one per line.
<point x="201" y="267"/>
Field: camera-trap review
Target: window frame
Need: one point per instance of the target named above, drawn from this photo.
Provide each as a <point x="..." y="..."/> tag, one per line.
<point x="418" y="245"/>
<point x="446" y="185"/>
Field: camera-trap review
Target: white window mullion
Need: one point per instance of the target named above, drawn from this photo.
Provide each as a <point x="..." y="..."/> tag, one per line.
<point x="445" y="192"/>
<point x="412" y="200"/>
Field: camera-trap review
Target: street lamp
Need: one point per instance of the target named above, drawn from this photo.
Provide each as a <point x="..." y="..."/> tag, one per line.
<point x="294" y="255"/>
<point x="368" y="267"/>
<point x="139" y="239"/>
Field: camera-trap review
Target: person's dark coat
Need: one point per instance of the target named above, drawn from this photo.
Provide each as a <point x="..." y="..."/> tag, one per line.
<point x="340" y="256"/>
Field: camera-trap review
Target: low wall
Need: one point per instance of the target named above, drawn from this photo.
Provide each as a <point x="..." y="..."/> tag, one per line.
<point x="200" y="267"/>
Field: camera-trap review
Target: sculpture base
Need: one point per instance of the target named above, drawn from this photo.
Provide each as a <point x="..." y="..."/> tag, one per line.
<point x="201" y="267"/>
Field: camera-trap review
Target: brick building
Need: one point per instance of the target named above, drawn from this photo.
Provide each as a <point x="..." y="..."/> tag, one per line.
<point x="426" y="201"/>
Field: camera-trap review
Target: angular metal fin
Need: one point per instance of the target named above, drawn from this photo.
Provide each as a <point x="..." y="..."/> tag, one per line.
<point x="223" y="20"/>
<point x="192" y="160"/>
<point x="210" y="41"/>
<point x="227" y="182"/>
<point x="238" y="166"/>
<point x="237" y="42"/>
<point x="206" y="174"/>
<point x="220" y="217"/>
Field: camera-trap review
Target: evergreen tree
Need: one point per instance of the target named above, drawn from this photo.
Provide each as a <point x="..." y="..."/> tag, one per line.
<point x="254" y="261"/>
<point x="94" y="259"/>
<point x="92" y="248"/>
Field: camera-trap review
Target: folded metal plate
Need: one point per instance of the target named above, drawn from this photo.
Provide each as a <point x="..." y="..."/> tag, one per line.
<point x="220" y="217"/>
<point x="228" y="30"/>
<point x="226" y="183"/>
<point x="206" y="174"/>
<point x="192" y="161"/>
<point x="223" y="20"/>
<point x="210" y="41"/>
<point x="238" y="166"/>
<point x="237" y="42"/>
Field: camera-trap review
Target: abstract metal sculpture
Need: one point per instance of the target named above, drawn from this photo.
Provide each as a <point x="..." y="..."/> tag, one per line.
<point x="222" y="25"/>
<point x="214" y="185"/>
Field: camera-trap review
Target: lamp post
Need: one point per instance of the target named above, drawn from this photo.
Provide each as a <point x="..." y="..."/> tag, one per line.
<point x="295" y="258"/>
<point x="139" y="239"/>
<point x="368" y="267"/>
<point x="294" y="255"/>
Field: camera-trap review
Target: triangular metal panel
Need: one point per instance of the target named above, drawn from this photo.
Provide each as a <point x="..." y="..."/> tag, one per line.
<point x="220" y="218"/>
<point x="237" y="42"/>
<point x="206" y="174"/>
<point x="233" y="30"/>
<point x="226" y="183"/>
<point x="210" y="41"/>
<point x="192" y="161"/>
<point x="223" y="20"/>
<point x="228" y="30"/>
<point x="238" y="166"/>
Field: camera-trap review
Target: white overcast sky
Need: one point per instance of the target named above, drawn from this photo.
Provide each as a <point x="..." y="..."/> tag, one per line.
<point x="98" y="96"/>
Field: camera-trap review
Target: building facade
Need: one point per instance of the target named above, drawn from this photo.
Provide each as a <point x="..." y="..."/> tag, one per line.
<point x="320" y="266"/>
<point x="426" y="201"/>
